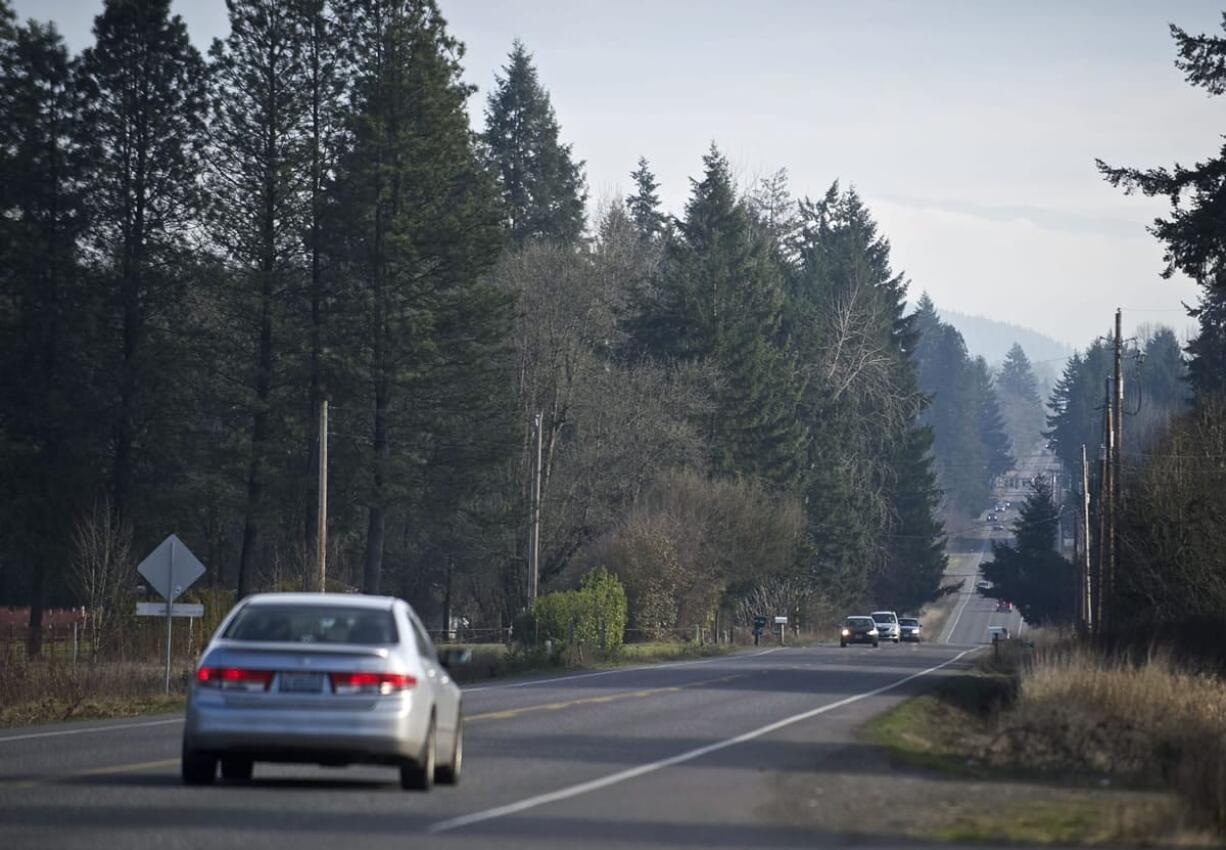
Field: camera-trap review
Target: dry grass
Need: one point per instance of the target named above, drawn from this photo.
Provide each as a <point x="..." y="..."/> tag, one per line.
<point x="1149" y="722"/>
<point x="55" y="689"/>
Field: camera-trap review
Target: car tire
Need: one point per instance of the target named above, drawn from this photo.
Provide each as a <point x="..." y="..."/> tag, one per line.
<point x="843" y="644"/>
<point x="198" y="768"/>
<point x="449" y="774"/>
<point x="875" y="644"/>
<point x="236" y="768"/>
<point x="418" y="775"/>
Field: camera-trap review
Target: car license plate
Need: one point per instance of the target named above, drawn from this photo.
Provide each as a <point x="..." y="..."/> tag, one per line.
<point x="301" y="683"/>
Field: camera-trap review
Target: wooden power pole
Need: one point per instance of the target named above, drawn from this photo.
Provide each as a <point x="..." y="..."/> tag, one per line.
<point x="1117" y="441"/>
<point x="1087" y="587"/>
<point x="321" y="518"/>
<point x="534" y="551"/>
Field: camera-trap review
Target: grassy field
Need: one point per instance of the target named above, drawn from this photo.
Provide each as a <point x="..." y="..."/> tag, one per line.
<point x="1092" y="750"/>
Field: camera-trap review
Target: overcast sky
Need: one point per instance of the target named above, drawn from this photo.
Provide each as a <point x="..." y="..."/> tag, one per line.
<point x="970" y="126"/>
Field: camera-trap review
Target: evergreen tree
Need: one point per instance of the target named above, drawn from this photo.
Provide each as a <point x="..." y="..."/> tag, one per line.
<point x="420" y="228"/>
<point x="915" y="555"/>
<point x="48" y="445"/>
<point x="970" y="446"/>
<point x="720" y="299"/>
<point x="990" y="423"/>
<point x="542" y="185"/>
<point x="1020" y="403"/>
<point x="1191" y="232"/>
<point x="855" y="347"/>
<point x="644" y="204"/>
<point x="257" y="185"/>
<point x="144" y="98"/>
<point x="1030" y="572"/>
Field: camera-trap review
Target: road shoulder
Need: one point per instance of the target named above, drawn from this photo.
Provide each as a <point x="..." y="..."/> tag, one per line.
<point x="923" y="772"/>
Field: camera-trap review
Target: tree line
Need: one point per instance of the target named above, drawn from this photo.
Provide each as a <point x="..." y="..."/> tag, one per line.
<point x="196" y="250"/>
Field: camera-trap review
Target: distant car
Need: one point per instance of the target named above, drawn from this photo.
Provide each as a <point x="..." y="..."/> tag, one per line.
<point x="887" y="625"/>
<point x="858" y="630"/>
<point x="983" y="585"/>
<point x="323" y="678"/>
<point x="996" y="633"/>
<point x="998" y="527"/>
<point x="1004" y="606"/>
<point x="909" y="628"/>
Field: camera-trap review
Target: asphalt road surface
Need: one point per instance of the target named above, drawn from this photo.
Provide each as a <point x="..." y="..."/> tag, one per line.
<point x="693" y="754"/>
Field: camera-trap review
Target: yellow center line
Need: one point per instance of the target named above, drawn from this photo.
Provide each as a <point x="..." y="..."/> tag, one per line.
<point x="620" y="695"/>
<point x="93" y="771"/>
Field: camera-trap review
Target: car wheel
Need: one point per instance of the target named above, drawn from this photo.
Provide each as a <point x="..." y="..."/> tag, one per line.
<point x="449" y="774"/>
<point x="875" y="644"/>
<point x="236" y="768"/>
<point x="895" y="640"/>
<point x="418" y="775"/>
<point x="198" y="768"/>
<point x="843" y="644"/>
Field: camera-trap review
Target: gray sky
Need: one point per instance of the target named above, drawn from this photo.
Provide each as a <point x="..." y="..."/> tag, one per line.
<point x="970" y="126"/>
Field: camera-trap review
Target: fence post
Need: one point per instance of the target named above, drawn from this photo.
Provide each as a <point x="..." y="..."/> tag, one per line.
<point x="74" y="643"/>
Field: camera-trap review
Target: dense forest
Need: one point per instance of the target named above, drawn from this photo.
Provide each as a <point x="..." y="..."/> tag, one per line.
<point x="197" y="250"/>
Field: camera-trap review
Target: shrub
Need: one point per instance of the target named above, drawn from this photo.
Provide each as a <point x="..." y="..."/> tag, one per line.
<point x="594" y="616"/>
<point x="1150" y="721"/>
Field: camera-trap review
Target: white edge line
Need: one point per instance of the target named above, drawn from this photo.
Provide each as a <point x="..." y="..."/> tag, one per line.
<point x="651" y="767"/>
<point x="665" y="666"/>
<point x="60" y="732"/>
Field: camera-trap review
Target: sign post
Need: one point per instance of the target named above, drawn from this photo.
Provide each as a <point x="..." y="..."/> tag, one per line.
<point x="170" y="568"/>
<point x="782" y="623"/>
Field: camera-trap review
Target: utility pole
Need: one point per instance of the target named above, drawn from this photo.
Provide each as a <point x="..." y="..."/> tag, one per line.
<point x="321" y="518"/>
<point x="1106" y="590"/>
<point x="1100" y="579"/>
<point x="1087" y="588"/>
<point x="1117" y="441"/>
<point x="534" y="553"/>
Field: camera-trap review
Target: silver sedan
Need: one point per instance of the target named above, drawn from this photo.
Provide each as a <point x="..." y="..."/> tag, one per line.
<point x="331" y="679"/>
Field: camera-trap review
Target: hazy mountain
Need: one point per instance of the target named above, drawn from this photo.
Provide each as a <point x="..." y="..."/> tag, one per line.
<point x="991" y="339"/>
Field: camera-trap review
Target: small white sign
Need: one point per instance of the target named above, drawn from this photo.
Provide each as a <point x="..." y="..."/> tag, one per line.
<point x="179" y="609"/>
<point x="779" y="621"/>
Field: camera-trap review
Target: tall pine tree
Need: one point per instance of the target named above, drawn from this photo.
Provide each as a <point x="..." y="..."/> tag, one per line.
<point x="542" y="184"/>
<point x="257" y="185"/>
<point x="644" y="204"/>
<point x="420" y="230"/>
<point x="48" y="443"/>
<point x="144" y="101"/>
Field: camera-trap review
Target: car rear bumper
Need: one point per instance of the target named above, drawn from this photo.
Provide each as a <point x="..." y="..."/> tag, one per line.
<point x="389" y="731"/>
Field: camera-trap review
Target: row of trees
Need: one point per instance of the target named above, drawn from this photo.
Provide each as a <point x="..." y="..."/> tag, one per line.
<point x="971" y="445"/>
<point x="196" y="251"/>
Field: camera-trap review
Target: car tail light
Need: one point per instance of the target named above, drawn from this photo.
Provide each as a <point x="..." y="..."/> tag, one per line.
<point x="371" y="683"/>
<point x="234" y="678"/>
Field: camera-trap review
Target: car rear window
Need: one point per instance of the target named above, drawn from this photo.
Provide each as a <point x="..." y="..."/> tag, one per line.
<point x="313" y="624"/>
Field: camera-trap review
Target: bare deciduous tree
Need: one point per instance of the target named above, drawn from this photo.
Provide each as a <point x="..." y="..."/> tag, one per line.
<point x="102" y="571"/>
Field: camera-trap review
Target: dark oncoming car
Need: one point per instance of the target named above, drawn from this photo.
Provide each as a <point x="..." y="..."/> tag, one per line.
<point x="322" y="678"/>
<point x="858" y="630"/>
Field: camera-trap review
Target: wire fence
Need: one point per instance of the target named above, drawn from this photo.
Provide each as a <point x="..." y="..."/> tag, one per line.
<point x="142" y="641"/>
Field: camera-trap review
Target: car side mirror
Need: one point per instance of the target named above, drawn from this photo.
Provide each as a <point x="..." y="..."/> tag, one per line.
<point x="454" y="657"/>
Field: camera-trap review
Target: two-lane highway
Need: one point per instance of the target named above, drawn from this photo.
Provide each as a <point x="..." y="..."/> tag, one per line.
<point x="668" y="755"/>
